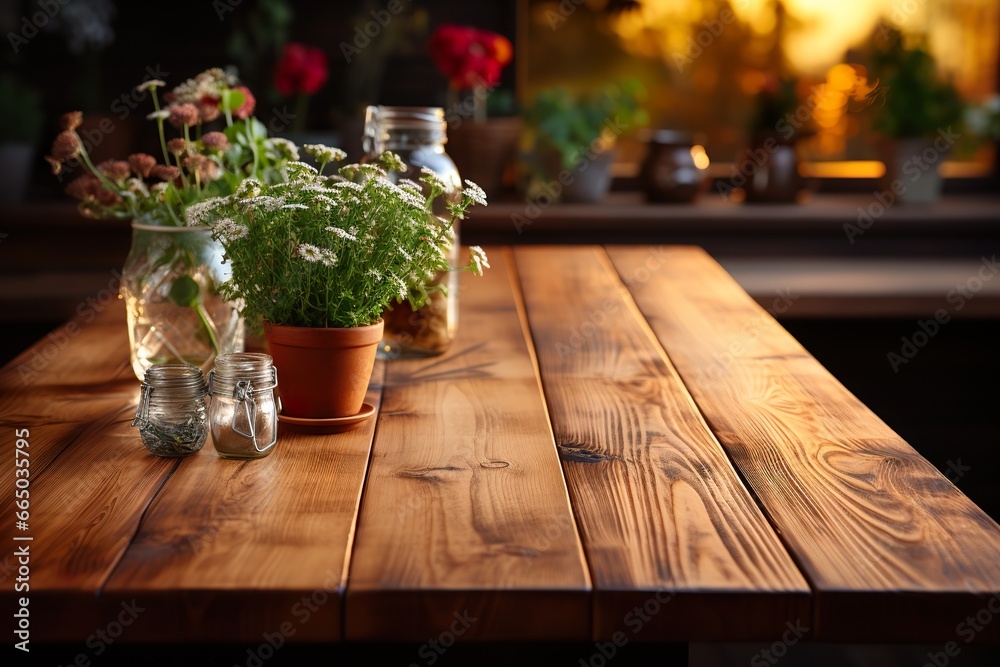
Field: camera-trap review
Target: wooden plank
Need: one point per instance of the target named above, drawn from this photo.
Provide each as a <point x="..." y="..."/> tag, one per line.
<point x="893" y="550"/>
<point x="661" y="509"/>
<point x="465" y="512"/>
<point x="241" y="551"/>
<point x="77" y="374"/>
<point x="84" y="512"/>
<point x="90" y="477"/>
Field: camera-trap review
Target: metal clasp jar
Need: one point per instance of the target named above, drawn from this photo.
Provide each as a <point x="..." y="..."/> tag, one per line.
<point x="243" y="414"/>
<point x="171" y="414"/>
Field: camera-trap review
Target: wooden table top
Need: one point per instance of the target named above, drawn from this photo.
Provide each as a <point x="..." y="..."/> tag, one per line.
<point x="620" y="440"/>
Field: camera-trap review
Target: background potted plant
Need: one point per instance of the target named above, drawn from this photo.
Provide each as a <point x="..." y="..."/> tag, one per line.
<point x="983" y="121"/>
<point x="577" y="134"/>
<point x="316" y="261"/>
<point x="172" y="273"/>
<point x="482" y="142"/>
<point x="20" y="125"/>
<point x="773" y="150"/>
<point x="914" y="110"/>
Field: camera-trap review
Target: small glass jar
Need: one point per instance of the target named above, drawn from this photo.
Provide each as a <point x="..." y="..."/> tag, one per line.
<point x="244" y="413"/>
<point x="172" y="415"/>
<point x="418" y="136"/>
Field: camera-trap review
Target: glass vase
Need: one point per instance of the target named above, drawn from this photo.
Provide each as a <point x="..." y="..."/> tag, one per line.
<point x="418" y="136"/>
<point x="175" y="313"/>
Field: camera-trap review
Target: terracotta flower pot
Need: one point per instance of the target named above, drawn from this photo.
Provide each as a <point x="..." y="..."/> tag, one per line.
<point x="323" y="372"/>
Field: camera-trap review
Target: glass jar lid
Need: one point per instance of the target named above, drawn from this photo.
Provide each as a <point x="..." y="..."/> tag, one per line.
<point x="174" y="382"/>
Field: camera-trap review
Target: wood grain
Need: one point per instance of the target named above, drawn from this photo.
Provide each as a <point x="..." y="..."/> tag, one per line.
<point x="77" y="374"/>
<point x="90" y="476"/>
<point x="661" y="509"/>
<point x="465" y="511"/>
<point x="231" y="550"/>
<point x="891" y="547"/>
<point x="84" y="512"/>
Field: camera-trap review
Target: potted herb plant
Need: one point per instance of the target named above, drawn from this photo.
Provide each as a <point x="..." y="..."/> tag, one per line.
<point x="317" y="259"/>
<point x="575" y="135"/>
<point x="913" y="112"/>
<point x="172" y="275"/>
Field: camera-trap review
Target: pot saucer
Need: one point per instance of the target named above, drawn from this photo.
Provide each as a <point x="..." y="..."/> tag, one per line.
<point x="330" y="425"/>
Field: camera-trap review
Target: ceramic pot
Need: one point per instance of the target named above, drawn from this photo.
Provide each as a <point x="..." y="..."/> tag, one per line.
<point x="324" y="371"/>
<point x="484" y="151"/>
<point x="911" y="169"/>
<point x="669" y="173"/>
<point x="771" y="169"/>
<point x="586" y="182"/>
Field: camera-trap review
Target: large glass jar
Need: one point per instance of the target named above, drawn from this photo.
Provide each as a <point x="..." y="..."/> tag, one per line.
<point x="243" y="414"/>
<point x="418" y="136"/>
<point x="172" y="416"/>
<point x="175" y="313"/>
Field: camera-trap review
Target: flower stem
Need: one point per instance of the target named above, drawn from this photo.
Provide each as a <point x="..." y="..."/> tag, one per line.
<point x="301" y="112"/>
<point x="209" y="329"/>
<point x="159" y="127"/>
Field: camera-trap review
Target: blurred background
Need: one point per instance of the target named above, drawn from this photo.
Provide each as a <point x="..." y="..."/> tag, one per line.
<point x="688" y="93"/>
<point x="716" y="69"/>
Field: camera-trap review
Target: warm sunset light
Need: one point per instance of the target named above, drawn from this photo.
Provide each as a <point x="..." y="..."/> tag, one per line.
<point x="819" y="31"/>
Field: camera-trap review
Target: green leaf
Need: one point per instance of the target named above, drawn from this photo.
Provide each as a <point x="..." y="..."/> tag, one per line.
<point x="231" y="100"/>
<point x="184" y="291"/>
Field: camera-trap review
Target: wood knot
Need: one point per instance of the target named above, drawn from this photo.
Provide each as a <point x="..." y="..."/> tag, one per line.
<point x="427" y="474"/>
<point x="493" y="463"/>
<point x="579" y="454"/>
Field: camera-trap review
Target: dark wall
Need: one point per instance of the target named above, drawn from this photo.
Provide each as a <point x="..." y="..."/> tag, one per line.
<point x="187" y="36"/>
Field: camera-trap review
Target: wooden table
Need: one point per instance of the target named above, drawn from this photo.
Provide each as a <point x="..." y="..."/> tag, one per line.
<point x="621" y="444"/>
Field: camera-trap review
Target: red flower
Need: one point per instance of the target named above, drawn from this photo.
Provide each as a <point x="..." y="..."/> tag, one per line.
<point x="468" y="56"/>
<point x="302" y="69"/>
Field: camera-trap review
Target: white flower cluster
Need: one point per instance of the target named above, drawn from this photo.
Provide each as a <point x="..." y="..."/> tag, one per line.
<point x="313" y="254"/>
<point x="324" y="154"/>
